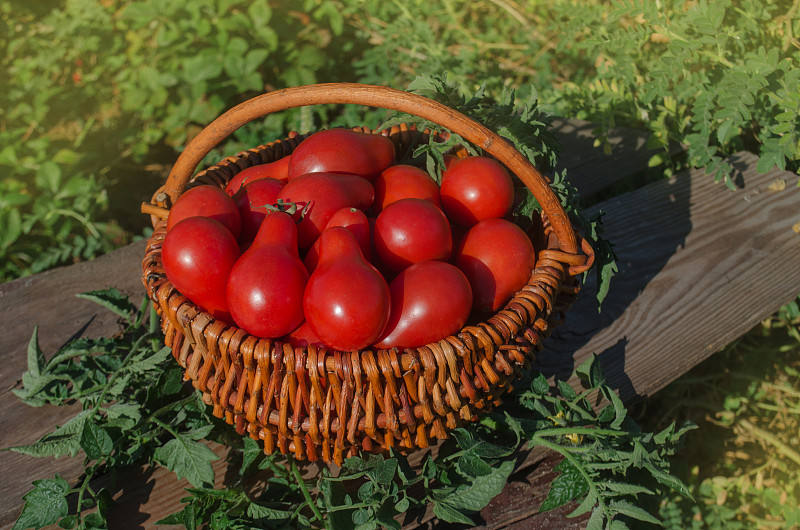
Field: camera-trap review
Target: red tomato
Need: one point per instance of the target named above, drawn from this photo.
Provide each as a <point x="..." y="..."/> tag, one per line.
<point x="497" y="258"/>
<point x="303" y="336"/>
<point x="266" y="285"/>
<point x="198" y="254"/>
<point x="323" y="194"/>
<point x="206" y="201"/>
<point x="409" y="231"/>
<point x="402" y="181"/>
<point x="252" y="200"/>
<point x="346" y="301"/>
<point x="354" y="220"/>
<point x="277" y="170"/>
<point x="342" y="151"/>
<point x="476" y="188"/>
<point x="430" y="300"/>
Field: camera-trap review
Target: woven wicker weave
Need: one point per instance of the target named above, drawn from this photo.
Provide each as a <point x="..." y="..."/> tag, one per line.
<point x="317" y="403"/>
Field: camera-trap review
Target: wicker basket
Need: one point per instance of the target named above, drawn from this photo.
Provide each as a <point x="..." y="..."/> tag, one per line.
<point x="317" y="403"/>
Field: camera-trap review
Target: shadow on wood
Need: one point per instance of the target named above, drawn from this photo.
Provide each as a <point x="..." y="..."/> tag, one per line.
<point x="644" y="242"/>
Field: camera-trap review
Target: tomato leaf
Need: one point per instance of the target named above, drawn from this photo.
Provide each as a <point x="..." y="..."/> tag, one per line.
<point x="64" y="441"/>
<point x="44" y="504"/>
<point x="567" y="486"/>
<point x="95" y="441"/>
<point x="111" y="299"/>
<point x="187" y="459"/>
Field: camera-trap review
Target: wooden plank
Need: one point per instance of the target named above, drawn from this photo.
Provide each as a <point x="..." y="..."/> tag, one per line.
<point x="699" y="266"/>
<point x="48" y="300"/>
<point x="589" y="168"/>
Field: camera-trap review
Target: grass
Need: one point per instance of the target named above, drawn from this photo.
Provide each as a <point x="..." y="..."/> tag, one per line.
<point x="743" y="463"/>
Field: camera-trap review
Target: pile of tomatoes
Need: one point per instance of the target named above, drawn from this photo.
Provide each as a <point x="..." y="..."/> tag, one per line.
<point x="337" y="245"/>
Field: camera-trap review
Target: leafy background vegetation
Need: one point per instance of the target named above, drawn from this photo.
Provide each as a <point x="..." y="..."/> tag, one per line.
<point x="99" y="96"/>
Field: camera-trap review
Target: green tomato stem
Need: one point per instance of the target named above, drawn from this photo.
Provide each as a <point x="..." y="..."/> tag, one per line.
<point x="304" y="489"/>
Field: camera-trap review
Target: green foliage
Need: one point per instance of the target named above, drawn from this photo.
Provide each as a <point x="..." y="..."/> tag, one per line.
<point x="606" y="454"/>
<point x="716" y="77"/>
<point x="136" y="410"/>
<point x="99" y="94"/>
<point x="609" y="462"/>
<point x="96" y="92"/>
<point x="45" y="504"/>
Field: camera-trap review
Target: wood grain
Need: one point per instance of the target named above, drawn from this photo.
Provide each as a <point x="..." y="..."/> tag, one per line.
<point x="699" y="266"/>
<point x="48" y="300"/>
<point x="589" y="168"/>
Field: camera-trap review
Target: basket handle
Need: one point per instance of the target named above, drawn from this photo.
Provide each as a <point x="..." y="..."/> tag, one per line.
<point x="382" y="97"/>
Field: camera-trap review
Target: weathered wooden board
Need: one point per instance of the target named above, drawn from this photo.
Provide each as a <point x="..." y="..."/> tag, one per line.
<point x="589" y="168"/>
<point x="47" y="300"/>
<point x="699" y="266"/>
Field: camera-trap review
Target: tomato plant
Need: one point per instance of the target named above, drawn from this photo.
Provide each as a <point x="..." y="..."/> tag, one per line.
<point x="198" y="254"/>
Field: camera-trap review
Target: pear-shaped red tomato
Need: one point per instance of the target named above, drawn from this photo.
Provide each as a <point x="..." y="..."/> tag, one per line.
<point x="354" y="220"/>
<point x="342" y="151"/>
<point x="198" y="254"/>
<point x="253" y="201"/>
<point x="346" y="301"/>
<point x="476" y="188"/>
<point x="206" y="201"/>
<point x="497" y="257"/>
<point x="278" y="170"/>
<point x="321" y="194"/>
<point x="430" y="300"/>
<point x="266" y="285"/>
<point x="402" y="181"/>
<point x="409" y="231"/>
